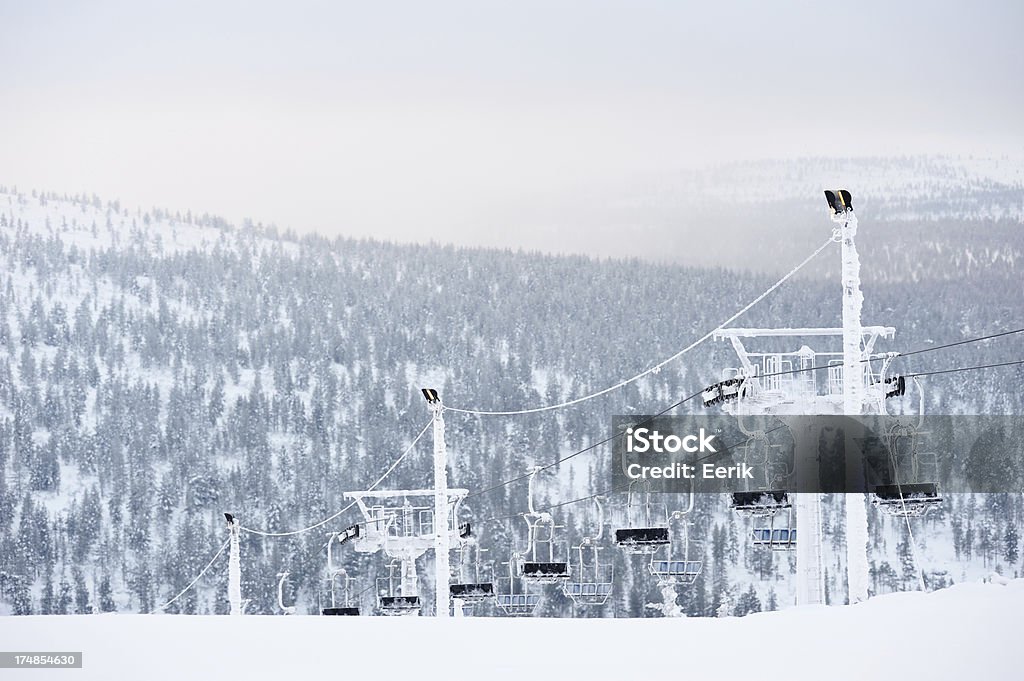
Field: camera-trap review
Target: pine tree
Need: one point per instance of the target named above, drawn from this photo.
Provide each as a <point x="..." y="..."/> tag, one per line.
<point x="82" y="606"/>
<point x="48" y="603"/>
<point x="106" y="596"/>
<point x="748" y="602"/>
<point x="64" y="597"/>
<point x="22" y="599"/>
<point x="1011" y="540"/>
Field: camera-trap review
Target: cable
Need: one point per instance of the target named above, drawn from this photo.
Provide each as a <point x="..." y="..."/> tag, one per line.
<point x="197" y="577"/>
<point x="951" y="371"/>
<point x="353" y="503"/>
<point x="969" y="340"/>
<point x="687" y="399"/>
<point x="658" y="366"/>
<point x="613" y="490"/>
<point x="818" y="367"/>
<point x="582" y="451"/>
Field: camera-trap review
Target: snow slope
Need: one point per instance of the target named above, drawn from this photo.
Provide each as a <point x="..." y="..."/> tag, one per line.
<point x="966" y="631"/>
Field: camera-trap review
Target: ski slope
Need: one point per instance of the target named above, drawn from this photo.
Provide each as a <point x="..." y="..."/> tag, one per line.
<point x="966" y="631"/>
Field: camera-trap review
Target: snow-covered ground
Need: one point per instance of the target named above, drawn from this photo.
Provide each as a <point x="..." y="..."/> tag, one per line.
<point x="966" y="631"/>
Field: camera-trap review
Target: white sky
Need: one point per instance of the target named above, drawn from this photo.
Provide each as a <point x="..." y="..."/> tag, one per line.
<point x="428" y="120"/>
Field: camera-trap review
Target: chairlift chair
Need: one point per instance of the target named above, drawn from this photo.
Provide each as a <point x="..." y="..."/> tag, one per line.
<point x="770" y="499"/>
<point x="517" y="605"/>
<point x="646" y="523"/>
<point x="590" y="582"/>
<point x="390" y="598"/>
<point x="678" y="568"/>
<point x="399" y="605"/>
<point x="470" y="589"/>
<point x="676" y="571"/>
<point x="511" y="602"/>
<point x="766" y="534"/>
<point x="339" y="596"/>
<point x="337" y="600"/>
<point x="760" y="502"/>
<point x="472" y="592"/>
<point x="286" y="609"/>
<point x="912" y="498"/>
<point x="541" y="533"/>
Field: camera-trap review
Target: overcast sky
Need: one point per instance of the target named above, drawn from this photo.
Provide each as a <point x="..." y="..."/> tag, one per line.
<point x="423" y="120"/>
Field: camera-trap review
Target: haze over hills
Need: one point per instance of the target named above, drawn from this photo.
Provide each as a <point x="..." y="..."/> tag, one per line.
<point x="158" y="368"/>
<point x="715" y="215"/>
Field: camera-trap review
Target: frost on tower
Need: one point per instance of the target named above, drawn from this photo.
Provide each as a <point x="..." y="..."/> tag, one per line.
<point x="779" y="381"/>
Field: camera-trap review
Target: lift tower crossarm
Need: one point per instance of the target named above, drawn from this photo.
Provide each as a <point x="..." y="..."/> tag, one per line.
<point x="875" y="331"/>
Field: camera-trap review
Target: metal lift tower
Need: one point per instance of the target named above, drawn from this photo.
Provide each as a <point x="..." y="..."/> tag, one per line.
<point x="774" y="385"/>
<point x="404" y="527"/>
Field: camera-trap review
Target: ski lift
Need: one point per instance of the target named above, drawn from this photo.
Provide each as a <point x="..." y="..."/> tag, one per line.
<point x="766" y="534"/>
<point x="909" y="496"/>
<point x="392" y="598"/>
<point x="770" y="499"/>
<point x="646" y="523"/>
<point x="770" y="505"/>
<point x="471" y="590"/>
<point x="339" y="595"/>
<point x="590" y="582"/>
<point x="513" y="603"/>
<point x="680" y="569"/>
<point x="895" y="386"/>
<point x="760" y="502"/>
<point x="541" y="532"/>
<point x="286" y="609"/>
<point x="912" y="498"/>
<point x="723" y="391"/>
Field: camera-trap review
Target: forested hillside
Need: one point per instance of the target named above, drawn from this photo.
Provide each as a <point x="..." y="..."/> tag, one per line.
<point x="158" y="368"/>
